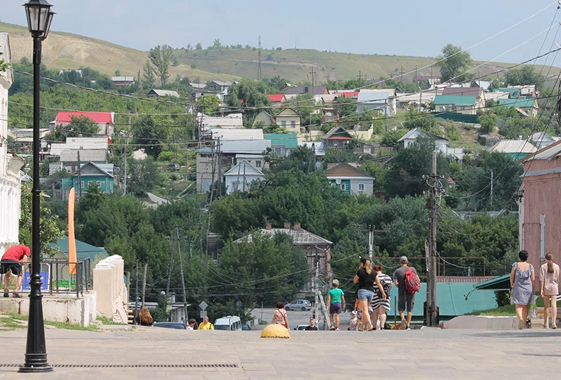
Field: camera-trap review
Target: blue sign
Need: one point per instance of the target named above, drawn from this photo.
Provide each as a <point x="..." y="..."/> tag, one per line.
<point x="44" y="281"/>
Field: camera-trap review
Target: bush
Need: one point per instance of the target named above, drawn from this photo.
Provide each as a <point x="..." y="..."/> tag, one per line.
<point x="502" y="297"/>
<point x="166" y="156"/>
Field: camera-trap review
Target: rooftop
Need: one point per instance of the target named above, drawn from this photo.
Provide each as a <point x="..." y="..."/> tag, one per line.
<point x="98" y="117"/>
<point x="299" y="236"/>
<point x="513" y="146"/>
<point x="457" y="100"/>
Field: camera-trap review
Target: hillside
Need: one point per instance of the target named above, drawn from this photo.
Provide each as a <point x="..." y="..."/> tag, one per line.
<point x="70" y="51"/>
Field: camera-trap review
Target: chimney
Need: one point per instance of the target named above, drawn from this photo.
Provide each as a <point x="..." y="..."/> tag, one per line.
<point x="287" y="225"/>
<point x="296" y="226"/>
<point x="268" y="226"/>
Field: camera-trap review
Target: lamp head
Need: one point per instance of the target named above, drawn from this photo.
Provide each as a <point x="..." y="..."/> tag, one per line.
<point x="39" y="17"/>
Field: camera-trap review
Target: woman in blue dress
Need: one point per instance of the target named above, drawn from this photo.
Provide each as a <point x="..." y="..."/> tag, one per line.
<point x="522" y="283"/>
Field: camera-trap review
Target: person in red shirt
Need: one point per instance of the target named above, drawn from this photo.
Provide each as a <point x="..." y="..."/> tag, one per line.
<point x="11" y="263"/>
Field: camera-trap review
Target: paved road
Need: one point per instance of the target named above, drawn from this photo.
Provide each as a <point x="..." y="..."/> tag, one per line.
<point x="296" y="317"/>
<point x="429" y="353"/>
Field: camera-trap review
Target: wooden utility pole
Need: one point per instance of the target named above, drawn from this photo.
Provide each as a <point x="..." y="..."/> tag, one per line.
<point x="432" y="318"/>
<point x="79" y="176"/>
<point x="144" y="285"/>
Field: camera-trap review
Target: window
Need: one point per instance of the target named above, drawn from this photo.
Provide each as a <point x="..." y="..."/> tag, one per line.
<point x="257" y="164"/>
<point x="344" y="186"/>
<point x="361" y="187"/>
<point x="293" y="124"/>
<point x="283" y="124"/>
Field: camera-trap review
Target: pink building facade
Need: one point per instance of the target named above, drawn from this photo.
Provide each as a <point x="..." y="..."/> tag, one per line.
<point x="540" y="206"/>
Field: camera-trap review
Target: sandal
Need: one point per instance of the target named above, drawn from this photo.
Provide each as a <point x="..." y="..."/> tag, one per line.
<point x="16" y="295"/>
<point x="553" y="327"/>
<point x="6" y="293"/>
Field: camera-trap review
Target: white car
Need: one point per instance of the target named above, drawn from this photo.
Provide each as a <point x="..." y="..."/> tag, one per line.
<point x="229" y="323"/>
<point x="298" y="305"/>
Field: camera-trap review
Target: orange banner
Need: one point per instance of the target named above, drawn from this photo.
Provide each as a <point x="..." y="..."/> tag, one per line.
<point x="71" y="238"/>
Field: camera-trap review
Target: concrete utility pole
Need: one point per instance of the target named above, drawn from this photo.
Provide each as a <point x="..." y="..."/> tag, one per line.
<point x="181" y="271"/>
<point x="136" y="292"/>
<point x="432" y="319"/>
<point x="316" y="287"/>
<point x="259" y="60"/>
<point x="401" y="75"/>
<point x="371" y="231"/>
<point x="492" y="174"/>
<point x="144" y="285"/>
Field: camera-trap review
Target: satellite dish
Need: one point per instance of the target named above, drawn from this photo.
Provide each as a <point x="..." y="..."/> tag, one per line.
<point x="338" y="181"/>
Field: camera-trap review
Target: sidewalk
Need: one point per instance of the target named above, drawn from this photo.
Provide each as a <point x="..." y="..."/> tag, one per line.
<point x="430" y="353"/>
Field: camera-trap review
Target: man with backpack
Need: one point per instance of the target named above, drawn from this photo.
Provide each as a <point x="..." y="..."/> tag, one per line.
<point x="408" y="283"/>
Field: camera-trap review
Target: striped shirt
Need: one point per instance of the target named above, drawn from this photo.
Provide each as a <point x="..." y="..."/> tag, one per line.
<point x="377" y="300"/>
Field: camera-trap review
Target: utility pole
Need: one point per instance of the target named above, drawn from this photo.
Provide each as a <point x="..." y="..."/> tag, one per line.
<point x="259" y="60"/>
<point x="181" y="272"/>
<point x="386" y="114"/>
<point x="431" y="310"/>
<point x="359" y="77"/>
<point x="79" y="176"/>
<point x="401" y="75"/>
<point x="492" y="190"/>
<point x="144" y="284"/>
<point x="316" y="287"/>
<point x="136" y="291"/>
<point x="371" y="231"/>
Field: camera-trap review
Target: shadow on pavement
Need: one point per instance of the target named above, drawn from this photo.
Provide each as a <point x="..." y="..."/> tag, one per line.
<point x="519" y="334"/>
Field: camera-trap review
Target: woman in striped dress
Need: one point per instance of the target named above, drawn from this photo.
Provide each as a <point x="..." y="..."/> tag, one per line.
<point x="379" y="304"/>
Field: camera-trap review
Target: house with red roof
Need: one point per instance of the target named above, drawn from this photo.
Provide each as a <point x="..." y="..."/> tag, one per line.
<point x="277" y="99"/>
<point x="105" y="120"/>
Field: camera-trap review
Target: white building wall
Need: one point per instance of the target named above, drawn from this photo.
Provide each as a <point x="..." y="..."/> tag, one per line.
<point x="10" y="187"/>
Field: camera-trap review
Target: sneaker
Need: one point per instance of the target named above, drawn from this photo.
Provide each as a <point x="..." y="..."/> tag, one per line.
<point x="332" y="328"/>
<point x="408" y="328"/>
<point x="337" y="329"/>
<point x="403" y="325"/>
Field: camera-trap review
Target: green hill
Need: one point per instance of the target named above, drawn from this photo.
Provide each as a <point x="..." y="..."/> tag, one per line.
<point x="70" y="51"/>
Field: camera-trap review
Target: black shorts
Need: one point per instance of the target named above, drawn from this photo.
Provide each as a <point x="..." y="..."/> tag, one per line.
<point x="406" y="298"/>
<point x="10" y="265"/>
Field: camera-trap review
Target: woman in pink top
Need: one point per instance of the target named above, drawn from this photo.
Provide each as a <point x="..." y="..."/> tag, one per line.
<point x="549" y="277"/>
<point x="279" y="316"/>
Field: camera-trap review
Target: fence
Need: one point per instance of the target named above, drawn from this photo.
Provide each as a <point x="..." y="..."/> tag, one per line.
<point x="56" y="278"/>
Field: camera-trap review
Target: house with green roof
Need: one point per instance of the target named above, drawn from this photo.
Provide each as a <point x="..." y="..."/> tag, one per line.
<point x="526" y="106"/>
<point x="464" y="104"/>
<point x="513" y="92"/>
<point x="282" y="143"/>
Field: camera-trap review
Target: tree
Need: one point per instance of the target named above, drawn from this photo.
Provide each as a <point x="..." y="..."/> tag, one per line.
<point x="199" y="46"/>
<point x="346" y="106"/>
<point x="143" y="176"/>
<point x="78" y="126"/>
<point x="249" y="93"/>
<point x="453" y="62"/>
<point x="410" y="165"/>
<point x="3" y="64"/>
<point x="208" y="104"/>
<point x="148" y="74"/>
<point x="50" y="233"/>
<point x="117" y="73"/>
<point x="150" y="134"/>
<point x="161" y="57"/>
<point x="488" y="122"/>
<point x="526" y="75"/>
<point x="217" y="43"/>
<point x="266" y="269"/>
<point x="475" y="181"/>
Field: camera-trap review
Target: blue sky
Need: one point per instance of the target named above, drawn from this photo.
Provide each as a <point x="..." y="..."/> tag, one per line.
<point x="406" y="27"/>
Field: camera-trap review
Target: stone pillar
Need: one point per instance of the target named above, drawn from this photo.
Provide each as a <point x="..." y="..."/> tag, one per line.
<point x="110" y="288"/>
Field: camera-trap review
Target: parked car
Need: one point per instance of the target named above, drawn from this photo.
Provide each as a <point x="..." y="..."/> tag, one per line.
<point x="193" y="176"/>
<point x="170" y="325"/>
<point x="230" y="323"/>
<point x="173" y="166"/>
<point x="301" y="327"/>
<point x="246" y="327"/>
<point x="298" y="305"/>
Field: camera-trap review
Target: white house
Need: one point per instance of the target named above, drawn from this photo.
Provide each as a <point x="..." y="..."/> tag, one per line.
<point x="10" y="185"/>
<point x="383" y="100"/>
<point x="410" y="137"/>
<point x="350" y="180"/>
<point x="241" y="176"/>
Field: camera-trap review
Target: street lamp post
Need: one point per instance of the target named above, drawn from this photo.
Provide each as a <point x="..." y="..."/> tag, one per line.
<point x="39" y="18"/>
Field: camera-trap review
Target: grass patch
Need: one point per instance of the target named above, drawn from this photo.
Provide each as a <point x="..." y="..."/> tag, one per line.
<point x="501" y="311"/>
<point x="107" y="321"/>
<point x="11" y="320"/>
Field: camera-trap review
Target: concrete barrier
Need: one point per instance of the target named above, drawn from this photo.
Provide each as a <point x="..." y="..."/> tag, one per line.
<point x="479" y="322"/>
<point x="109" y="285"/>
<point x="56" y="308"/>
